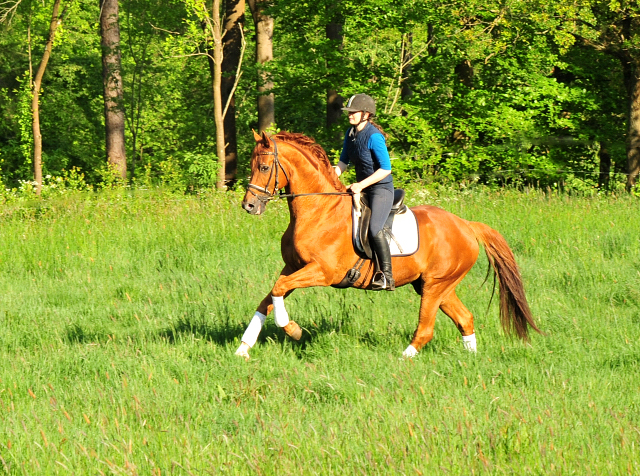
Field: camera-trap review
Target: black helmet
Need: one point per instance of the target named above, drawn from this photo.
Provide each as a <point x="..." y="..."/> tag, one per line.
<point x="361" y="102"/>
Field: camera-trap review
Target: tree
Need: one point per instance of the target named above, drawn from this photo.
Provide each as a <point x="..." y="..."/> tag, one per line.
<point x="334" y="35"/>
<point x="264" y="53"/>
<point x="233" y="50"/>
<point x="113" y="89"/>
<point x="56" y="21"/>
<point x="214" y="34"/>
<point x="609" y="28"/>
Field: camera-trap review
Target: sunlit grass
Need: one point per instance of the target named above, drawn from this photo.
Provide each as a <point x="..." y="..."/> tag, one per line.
<point x="119" y="318"/>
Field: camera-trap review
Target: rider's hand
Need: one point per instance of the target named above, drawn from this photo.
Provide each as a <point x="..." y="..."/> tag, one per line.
<point x="355" y="187"/>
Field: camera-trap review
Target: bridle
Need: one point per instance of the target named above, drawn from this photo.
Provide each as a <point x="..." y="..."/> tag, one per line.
<point x="265" y="195"/>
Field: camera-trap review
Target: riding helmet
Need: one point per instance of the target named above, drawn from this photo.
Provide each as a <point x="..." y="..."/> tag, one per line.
<point x="361" y="102"/>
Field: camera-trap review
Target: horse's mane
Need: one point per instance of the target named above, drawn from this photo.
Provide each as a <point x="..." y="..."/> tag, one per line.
<point x="316" y="153"/>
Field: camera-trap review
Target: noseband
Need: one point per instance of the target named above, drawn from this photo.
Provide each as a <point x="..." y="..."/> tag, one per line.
<point x="265" y="195"/>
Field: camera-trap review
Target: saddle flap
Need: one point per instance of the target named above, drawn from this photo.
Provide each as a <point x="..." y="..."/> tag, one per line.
<point x="363" y="226"/>
<point x="398" y="199"/>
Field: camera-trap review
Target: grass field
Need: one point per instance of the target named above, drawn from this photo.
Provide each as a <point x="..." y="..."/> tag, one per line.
<point x="119" y="318"/>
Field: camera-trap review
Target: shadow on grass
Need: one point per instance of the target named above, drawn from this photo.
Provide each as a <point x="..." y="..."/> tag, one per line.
<point x="627" y="360"/>
<point x="200" y="328"/>
<point x="198" y="324"/>
<point x="347" y="326"/>
<point x="76" y="334"/>
<point x="222" y="334"/>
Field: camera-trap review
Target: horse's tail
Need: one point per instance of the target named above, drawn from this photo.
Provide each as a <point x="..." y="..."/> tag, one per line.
<point x="515" y="315"/>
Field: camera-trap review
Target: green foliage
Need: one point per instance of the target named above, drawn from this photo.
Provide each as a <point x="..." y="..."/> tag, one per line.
<point x="203" y="169"/>
<point x="528" y="112"/>
<point x="515" y="93"/>
<point x="69" y="183"/>
<point x="25" y="118"/>
<point x="172" y="175"/>
<point x="110" y="177"/>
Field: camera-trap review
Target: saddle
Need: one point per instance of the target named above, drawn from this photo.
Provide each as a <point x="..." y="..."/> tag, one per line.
<point x="362" y="217"/>
<point x="401" y="229"/>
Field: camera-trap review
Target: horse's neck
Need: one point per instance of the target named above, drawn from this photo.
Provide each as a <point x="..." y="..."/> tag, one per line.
<point x="314" y="210"/>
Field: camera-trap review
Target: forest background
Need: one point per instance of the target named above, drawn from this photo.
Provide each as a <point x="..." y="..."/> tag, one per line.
<point x="497" y="92"/>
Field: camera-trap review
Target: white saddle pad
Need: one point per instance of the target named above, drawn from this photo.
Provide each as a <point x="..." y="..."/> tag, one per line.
<point x="405" y="240"/>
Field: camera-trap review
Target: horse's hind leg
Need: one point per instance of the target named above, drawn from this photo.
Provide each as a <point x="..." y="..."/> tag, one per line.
<point x="461" y="317"/>
<point x="431" y="298"/>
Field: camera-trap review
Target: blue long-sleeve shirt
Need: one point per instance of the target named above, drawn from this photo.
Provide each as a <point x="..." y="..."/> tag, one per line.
<point x="378" y="147"/>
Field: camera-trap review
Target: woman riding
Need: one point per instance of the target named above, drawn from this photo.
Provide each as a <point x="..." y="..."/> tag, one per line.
<point x="365" y="146"/>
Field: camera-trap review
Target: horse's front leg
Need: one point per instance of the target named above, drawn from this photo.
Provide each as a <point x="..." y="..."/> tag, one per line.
<point x="309" y="276"/>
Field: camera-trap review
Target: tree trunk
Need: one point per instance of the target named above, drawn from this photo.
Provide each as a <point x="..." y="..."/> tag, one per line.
<point x="605" y="166"/>
<point x="432" y="50"/>
<point x="406" y="71"/>
<point x="35" y="107"/>
<point x="334" y="100"/>
<point x="232" y="50"/>
<point x="632" y="81"/>
<point x="264" y="54"/>
<point x="464" y="72"/>
<point x="216" y="31"/>
<point x="112" y="82"/>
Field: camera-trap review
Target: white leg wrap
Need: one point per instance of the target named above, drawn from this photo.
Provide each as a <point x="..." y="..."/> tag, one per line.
<point x="280" y="314"/>
<point x="250" y="336"/>
<point x="469" y="342"/>
<point x="410" y="352"/>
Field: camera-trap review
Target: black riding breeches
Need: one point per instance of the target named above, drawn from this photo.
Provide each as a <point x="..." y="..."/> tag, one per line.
<point x="380" y="201"/>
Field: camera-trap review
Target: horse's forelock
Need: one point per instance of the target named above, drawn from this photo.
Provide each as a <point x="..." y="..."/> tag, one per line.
<point x="316" y="151"/>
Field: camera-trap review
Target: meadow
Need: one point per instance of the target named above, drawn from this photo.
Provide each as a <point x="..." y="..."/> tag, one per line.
<point x="120" y="314"/>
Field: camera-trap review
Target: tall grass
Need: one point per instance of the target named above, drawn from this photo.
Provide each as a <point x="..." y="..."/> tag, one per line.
<point x="120" y="315"/>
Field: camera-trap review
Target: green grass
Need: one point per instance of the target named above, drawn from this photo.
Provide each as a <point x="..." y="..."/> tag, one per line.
<point x="119" y="317"/>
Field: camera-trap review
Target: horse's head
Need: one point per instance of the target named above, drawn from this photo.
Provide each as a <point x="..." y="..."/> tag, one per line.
<point x="267" y="175"/>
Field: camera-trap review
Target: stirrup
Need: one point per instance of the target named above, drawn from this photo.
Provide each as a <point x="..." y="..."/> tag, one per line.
<point x="380" y="282"/>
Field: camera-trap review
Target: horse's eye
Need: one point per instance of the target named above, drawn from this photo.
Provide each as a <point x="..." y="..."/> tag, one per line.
<point x="264" y="168"/>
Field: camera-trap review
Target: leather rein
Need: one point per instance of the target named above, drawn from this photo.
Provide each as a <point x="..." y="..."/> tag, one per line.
<point x="266" y="196"/>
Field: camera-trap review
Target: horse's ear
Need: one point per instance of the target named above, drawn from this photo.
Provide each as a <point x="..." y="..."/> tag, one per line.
<point x="266" y="141"/>
<point x="256" y="136"/>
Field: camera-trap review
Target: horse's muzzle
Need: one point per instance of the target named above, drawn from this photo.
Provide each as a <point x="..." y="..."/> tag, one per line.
<point x="253" y="206"/>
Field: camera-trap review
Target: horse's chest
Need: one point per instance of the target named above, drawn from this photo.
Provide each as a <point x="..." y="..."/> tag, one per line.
<point x="300" y="244"/>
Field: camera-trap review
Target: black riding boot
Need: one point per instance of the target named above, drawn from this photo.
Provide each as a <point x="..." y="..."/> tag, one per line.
<point x="383" y="278"/>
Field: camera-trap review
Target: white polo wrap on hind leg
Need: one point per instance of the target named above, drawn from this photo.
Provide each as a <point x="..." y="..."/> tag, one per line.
<point x="469" y="342"/>
<point x="410" y="352"/>
<point x="250" y="336"/>
<point x="280" y="314"/>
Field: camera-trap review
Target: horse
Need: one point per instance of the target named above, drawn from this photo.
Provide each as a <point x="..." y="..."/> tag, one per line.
<point x="317" y="246"/>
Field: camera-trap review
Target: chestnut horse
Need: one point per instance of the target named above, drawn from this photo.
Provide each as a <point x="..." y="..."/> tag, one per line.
<point x="317" y="246"/>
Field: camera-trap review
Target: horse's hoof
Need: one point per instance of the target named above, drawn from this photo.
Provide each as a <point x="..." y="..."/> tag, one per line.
<point x="243" y="351"/>
<point x="410" y="352"/>
<point x="293" y="330"/>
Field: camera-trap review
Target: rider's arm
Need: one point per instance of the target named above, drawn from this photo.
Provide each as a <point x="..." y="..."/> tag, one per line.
<point x="344" y="158"/>
<point x="378" y="147"/>
<point x="341" y="167"/>
<point x="373" y="178"/>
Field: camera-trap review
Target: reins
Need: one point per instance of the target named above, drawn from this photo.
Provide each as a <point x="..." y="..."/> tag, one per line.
<point x="268" y="196"/>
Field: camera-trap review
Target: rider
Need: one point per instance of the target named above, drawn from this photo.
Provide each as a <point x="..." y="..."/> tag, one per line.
<point x="364" y="145"/>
